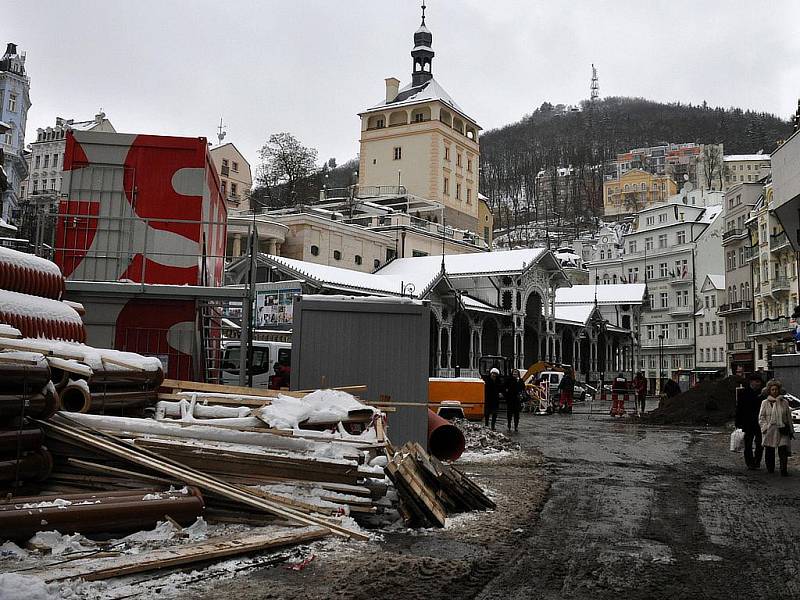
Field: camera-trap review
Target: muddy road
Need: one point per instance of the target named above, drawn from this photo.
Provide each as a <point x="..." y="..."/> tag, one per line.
<point x="591" y="508"/>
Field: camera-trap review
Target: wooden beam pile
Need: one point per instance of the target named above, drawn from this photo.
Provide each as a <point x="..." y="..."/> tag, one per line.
<point x="430" y="490"/>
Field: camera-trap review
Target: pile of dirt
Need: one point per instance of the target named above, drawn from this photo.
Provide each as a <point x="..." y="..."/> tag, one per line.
<point x="710" y="403"/>
<point x="483" y="440"/>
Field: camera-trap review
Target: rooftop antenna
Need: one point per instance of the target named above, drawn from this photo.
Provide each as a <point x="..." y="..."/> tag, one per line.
<point x="594" y="88"/>
<point x="423" y="12"/>
<point x="221" y="131"/>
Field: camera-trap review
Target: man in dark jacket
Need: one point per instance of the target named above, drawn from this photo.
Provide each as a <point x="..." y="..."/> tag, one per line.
<point x="640" y="385"/>
<point x="748" y="404"/>
<point x="567" y="391"/>
<point x="671" y="387"/>
<point x="491" y="396"/>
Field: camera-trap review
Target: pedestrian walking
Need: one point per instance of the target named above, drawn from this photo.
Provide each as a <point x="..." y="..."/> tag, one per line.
<point x="640" y="385"/>
<point x="748" y="407"/>
<point x="491" y="396"/>
<point x="567" y="390"/>
<point x="515" y="395"/>
<point x="777" y="431"/>
<point x="671" y="387"/>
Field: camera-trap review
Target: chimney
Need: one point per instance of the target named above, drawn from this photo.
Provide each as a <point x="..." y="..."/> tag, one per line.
<point x="392" y="88"/>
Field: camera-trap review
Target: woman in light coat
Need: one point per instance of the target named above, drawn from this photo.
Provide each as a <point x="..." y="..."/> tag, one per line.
<point x="777" y="430"/>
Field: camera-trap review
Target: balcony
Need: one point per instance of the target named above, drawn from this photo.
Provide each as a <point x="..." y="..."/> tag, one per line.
<point x="751" y="253"/>
<point x="779" y="284"/>
<point x="734" y="234"/>
<point x="735" y="307"/>
<point x="681" y="280"/>
<point x="740" y="346"/>
<point x="680" y="310"/>
<point x="778" y="241"/>
<point x="781" y="325"/>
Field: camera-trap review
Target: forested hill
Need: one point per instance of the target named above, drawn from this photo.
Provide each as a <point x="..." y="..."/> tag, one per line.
<point x="620" y="124"/>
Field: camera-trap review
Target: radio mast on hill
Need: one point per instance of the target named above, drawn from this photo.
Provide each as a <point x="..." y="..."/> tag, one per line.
<point x="594" y="88"/>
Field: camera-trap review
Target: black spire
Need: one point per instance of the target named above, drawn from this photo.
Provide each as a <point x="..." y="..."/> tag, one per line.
<point x="422" y="54"/>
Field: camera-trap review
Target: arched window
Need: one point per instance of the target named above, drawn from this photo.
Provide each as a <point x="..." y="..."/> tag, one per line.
<point x="358" y="260"/>
<point x="314" y="250"/>
<point x="337" y="255"/>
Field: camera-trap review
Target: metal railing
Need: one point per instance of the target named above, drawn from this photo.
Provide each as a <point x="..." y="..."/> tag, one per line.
<point x="778" y="241"/>
<point x="751" y="253"/>
<point x="733" y="307"/>
<point x="780" y="284"/>
<point x="769" y="326"/>
<point x="733" y="233"/>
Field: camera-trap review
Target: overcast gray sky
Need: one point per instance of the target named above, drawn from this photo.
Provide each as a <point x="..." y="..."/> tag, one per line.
<point x="309" y="66"/>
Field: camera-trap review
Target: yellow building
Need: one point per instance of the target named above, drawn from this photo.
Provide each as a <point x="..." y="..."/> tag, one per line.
<point x="485" y="220"/>
<point x="235" y="176"/>
<point x="636" y="190"/>
<point x="419" y="139"/>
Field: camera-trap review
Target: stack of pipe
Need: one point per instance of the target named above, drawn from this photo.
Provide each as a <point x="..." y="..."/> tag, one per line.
<point x="25" y="392"/>
<point x="30" y="298"/>
<point x="94" y="512"/>
<point x="109" y="390"/>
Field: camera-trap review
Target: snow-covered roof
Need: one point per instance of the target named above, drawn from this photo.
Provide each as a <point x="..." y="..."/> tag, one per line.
<point x="83" y="125"/>
<point x="568" y="259"/>
<point x="410" y="94"/>
<point x="710" y="213"/>
<point x="717" y="282"/>
<point x="422" y="270"/>
<point x="615" y="293"/>
<point x="577" y="314"/>
<point x="474" y="304"/>
<point x="345" y="279"/>
<point x="741" y="157"/>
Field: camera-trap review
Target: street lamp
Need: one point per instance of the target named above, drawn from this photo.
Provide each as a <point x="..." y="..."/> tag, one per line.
<point x="660" y="360"/>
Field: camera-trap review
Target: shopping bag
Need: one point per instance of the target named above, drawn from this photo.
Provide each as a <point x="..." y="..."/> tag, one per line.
<point x="737" y="440"/>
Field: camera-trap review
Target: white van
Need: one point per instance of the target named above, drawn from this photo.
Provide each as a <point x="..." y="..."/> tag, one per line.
<point x="265" y="355"/>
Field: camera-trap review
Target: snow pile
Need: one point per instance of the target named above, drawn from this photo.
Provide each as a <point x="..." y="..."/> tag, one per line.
<point x="13" y="586"/>
<point x="482" y="440"/>
<point x="11" y="549"/>
<point x="321" y="406"/>
<point x="26" y="305"/>
<point x="30" y="261"/>
<point x="59" y="544"/>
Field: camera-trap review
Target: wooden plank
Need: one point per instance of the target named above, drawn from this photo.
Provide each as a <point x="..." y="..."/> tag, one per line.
<point x="41" y="347"/>
<point x="91" y="466"/>
<point x="195" y="386"/>
<point x="117" y="362"/>
<point x="209" y="550"/>
<point x="350" y="389"/>
<point x="151" y="460"/>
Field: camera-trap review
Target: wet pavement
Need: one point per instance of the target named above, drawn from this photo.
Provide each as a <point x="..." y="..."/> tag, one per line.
<point x="592" y="507"/>
<point x="653" y="512"/>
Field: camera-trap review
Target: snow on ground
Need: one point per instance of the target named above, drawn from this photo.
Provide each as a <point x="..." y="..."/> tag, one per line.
<point x="321" y="406"/>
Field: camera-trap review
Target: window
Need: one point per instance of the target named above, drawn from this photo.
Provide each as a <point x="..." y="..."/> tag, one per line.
<point x="380" y="124"/>
<point x="419" y="118"/>
<point x="713" y="301"/>
<point x="55" y="160"/>
<point x="648" y="272"/>
<point x="700" y="330"/>
<point x="37" y="161"/>
<point x="633" y="275"/>
<point x="651" y="332"/>
<point x="662" y="240"/>
<point x="446" y="186"/>
<point x="682" y="268"/>
<point x="681" y="237"/>
<point x="664" y="333"/>
<point x="12" y="103"/>
<point x="469" y="196"/>
<point x="398" y="153"/>
<point x="446" y="153"/>
<point x="234" y="190"/>
<point x="662" y="270"/>
<point x="35" y="186"/>
<point x="683" y="331"/>
<point x="224" y="188"/>
<point x="650" y="220"/>
<point x="651" y="301"/>
<point x="631" y="247"/>
<point x="662" y="218"/>
<point x="714" y="354"/>
<point x="235" y="167"/>
<point x="713" y="328"/>
<point x="376" y="263"/>
<point x="337" y="255"/>
<point x="721" y="329"/>
<point x="664" y="299"/>
<point x="683" y="297"/>
<point x="469" y="165"/>
<point x="418" y="253"/>
<point x="46" y="160"/>
<point x="52" y="185"/>
<point x="648" y="243"/>
<point x="314" y="250"/>
<point x="458" y="191"/>
<point x="458" y="159"/>
<point x="357" y="259"/>
<point x="225" y="163"/>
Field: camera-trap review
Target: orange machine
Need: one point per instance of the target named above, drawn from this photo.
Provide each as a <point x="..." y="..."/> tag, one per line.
<point x="466" y="390"/>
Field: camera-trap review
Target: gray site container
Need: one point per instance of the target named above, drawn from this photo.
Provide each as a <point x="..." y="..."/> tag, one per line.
<point x="787" y="369"/>
<point x="380" y="343"/>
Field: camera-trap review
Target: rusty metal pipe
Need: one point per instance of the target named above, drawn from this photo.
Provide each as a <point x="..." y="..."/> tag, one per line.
<point x="445" y="440"/>
<point x="23" y="440"/>
<point x="39" y="405"/>
<point x="137" y="492"/>
<point x="24" y="378"/>
<point x="75" y="398"/>
<point x="33" y="466"/>
<point x="101" y="515"/>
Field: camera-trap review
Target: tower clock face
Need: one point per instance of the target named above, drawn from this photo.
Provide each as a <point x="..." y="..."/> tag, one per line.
<point x="605" y="239"/>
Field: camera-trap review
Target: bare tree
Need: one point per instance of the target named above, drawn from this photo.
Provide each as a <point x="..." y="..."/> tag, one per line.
<point x="712" y="160"/>
<point x="285" y="174"/>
